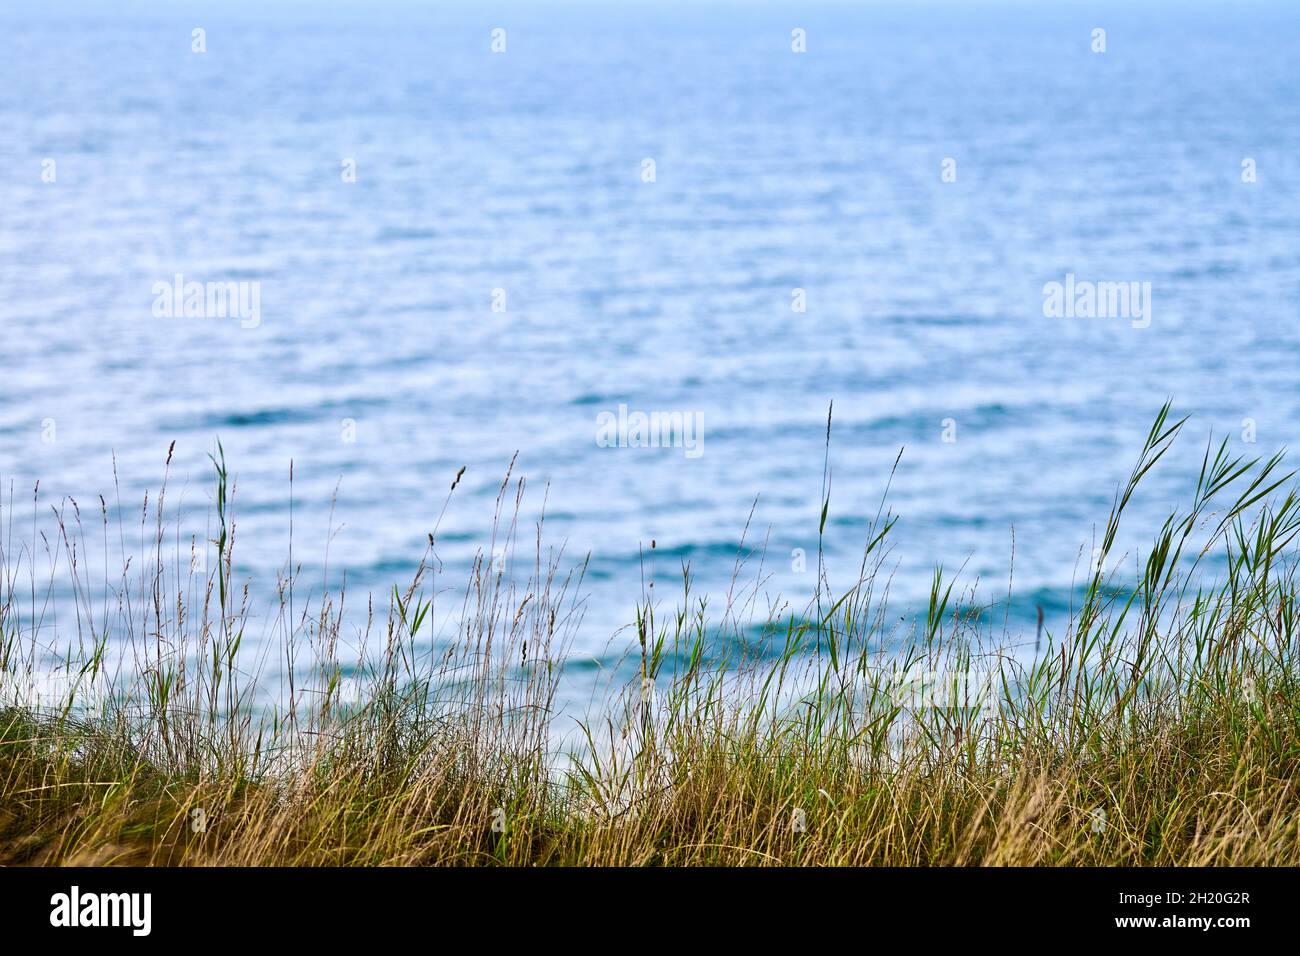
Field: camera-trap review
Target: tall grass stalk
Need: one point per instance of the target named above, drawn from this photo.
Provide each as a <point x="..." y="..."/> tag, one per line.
<point x="1158" y="726"/>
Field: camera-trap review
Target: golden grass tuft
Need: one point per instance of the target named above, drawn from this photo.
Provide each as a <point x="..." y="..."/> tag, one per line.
<point x="1161" y="728"/>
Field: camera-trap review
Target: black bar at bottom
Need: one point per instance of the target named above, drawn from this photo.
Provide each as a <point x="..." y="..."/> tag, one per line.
<point x="349" y="906"/>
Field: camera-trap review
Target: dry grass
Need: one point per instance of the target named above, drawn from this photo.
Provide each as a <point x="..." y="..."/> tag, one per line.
<point x="1162" y="728"/>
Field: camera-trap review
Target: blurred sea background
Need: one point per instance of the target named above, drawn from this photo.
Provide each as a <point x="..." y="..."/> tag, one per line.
<point x="522" y="171"/>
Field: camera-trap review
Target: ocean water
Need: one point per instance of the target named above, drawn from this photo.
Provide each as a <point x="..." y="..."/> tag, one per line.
<point x="501" y="274"/>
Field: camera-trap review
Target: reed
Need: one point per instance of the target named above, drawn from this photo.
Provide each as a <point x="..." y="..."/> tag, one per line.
<point x="1160" y="727"/>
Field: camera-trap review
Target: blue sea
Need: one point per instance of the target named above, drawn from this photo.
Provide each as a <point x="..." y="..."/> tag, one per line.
<point x="474" y="229"/>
